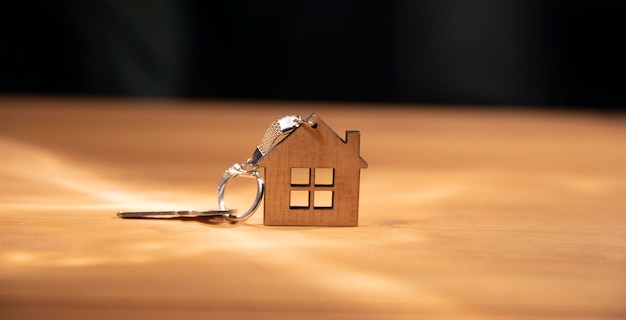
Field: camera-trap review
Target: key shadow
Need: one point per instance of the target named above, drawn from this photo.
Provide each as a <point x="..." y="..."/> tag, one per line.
<point x="214" y="221"/>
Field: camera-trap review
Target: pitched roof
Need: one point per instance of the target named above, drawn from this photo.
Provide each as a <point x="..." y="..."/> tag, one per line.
<point x="325" y="137"/>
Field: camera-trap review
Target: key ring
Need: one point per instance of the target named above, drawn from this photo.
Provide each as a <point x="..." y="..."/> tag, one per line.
<point x="233" y="172"/>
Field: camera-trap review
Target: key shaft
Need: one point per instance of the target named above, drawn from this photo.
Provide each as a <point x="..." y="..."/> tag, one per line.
<point x="174" y="213"/>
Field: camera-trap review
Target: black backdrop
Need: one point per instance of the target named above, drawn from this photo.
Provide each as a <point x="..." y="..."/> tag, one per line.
<point x="540" y="53"/>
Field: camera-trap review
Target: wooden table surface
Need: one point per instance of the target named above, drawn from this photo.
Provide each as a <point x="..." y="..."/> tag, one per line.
<point x="464" y="213"/>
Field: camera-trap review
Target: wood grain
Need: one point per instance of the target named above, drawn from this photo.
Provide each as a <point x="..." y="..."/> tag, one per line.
<point x="465" y="213"/>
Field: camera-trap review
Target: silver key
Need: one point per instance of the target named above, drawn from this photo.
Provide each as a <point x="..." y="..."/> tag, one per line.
<point x="176" y="213"/>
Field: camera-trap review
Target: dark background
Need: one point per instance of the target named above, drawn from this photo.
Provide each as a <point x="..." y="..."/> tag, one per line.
<point x="529" y="53"/>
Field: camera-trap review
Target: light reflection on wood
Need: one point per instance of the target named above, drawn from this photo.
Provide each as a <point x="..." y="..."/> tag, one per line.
<point x="464" y="213"/>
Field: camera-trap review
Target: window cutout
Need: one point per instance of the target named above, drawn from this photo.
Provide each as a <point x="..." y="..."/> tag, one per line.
<point x="300" y="176"/>
<point x="323" y="199"/>
<point x="299" y="199"/>
<point x="324" y="176"/>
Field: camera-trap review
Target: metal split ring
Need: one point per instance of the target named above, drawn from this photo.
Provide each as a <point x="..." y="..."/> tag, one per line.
<point x="231" y="173"/>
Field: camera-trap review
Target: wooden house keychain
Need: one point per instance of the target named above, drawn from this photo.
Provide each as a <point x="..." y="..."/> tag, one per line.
<point x="312" y="177"/>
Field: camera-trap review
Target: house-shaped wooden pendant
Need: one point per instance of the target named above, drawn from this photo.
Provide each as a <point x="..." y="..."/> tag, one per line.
<point x="312" y="178"/>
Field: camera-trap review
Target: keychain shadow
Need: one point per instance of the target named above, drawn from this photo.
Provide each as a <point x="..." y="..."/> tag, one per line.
<point x="212" y="221"/>
<point x="221" y="222"/>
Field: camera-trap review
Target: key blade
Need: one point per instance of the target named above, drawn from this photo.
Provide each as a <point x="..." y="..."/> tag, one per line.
<point x="174" y="213"/>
